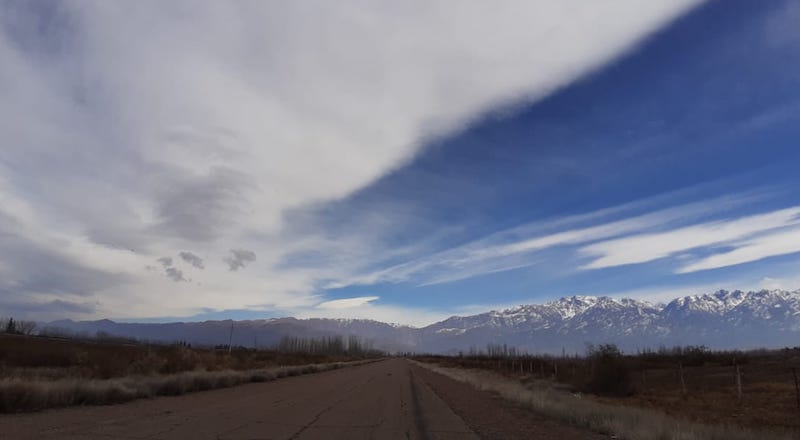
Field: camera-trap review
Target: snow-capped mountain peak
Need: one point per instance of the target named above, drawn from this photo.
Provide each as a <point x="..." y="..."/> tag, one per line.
<point x="574" y="305"/>
<point x="722" y="319"/>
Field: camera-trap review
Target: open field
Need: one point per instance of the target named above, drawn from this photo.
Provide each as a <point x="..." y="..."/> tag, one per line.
<point x="696" y="385"/>
<point x="30" y="356"/>
<point x="615" y="420"/>
<point x="38" y="373"/>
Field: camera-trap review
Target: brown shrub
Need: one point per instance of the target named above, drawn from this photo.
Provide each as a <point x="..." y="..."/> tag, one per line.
<point x="609" y="377"/>
<point x="17" y="395"/>
<point x="100" y="359"/>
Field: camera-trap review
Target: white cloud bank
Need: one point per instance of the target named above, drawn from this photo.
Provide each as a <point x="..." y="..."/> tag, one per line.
<point x="347" y="303"/>
<point x="137" y="130"/>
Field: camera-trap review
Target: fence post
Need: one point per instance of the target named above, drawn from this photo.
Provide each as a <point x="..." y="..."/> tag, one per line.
<point x="796" y="387"/>
<point x="683" y="381"/>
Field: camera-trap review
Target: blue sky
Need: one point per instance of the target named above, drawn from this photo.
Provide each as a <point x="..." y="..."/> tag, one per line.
<point x="705" y="110"/>
<point x="401" y="164"/>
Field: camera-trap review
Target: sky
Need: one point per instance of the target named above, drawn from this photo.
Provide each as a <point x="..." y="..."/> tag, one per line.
<point x="191" y="160"/>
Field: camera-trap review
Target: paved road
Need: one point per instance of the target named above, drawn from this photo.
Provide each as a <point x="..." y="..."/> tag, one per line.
<point x="383" y="400"/>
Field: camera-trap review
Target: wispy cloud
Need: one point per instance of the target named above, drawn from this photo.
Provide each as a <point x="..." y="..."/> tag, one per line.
<point x="660" y="218"/>
<point x="522" y="246"/>
<point x="642" y="248"/>
<point x="757" y="248"/>
<point x="347" y="303"/>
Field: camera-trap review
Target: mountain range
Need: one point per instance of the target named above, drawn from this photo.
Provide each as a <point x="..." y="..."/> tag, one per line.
<point x="719" y="320"/>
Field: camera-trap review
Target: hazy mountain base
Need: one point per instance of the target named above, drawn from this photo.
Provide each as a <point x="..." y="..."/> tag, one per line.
<point x="721" y="320"/>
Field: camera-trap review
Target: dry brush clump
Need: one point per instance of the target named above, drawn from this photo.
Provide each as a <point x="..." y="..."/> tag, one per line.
<point x="18" y="394"/>
<point x="38" y="372"/>
<point x="110" y="357"/>
<point x="624" y="422"/>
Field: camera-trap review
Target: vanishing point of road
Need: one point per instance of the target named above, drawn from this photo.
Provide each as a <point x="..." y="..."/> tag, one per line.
<point x="390" y="399"/>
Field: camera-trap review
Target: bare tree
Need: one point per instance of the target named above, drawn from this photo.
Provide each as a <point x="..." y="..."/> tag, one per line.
<point x="26" y="327"/>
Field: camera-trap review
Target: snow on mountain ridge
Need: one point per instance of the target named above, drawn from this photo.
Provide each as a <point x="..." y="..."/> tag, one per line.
<point x="574" y="305"/>
<point x="722" y="319"/>
<point x="568" y="308"/>
<point x="578" y="312"/>
<point x="720" y="301"/>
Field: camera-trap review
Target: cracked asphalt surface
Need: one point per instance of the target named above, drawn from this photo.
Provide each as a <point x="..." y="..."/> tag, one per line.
<point x="382" y="400"/>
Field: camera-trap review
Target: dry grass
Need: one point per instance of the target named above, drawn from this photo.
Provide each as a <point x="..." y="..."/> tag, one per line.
<point x="624" y="422"/>
<point x="21" y="394"/>
<point x="86" y="359"/>
<point x="707" y="393"/>
<point x="38" y="373"/>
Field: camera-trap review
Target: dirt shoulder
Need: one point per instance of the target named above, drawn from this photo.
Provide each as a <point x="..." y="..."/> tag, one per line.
<point x="493" y="417"/>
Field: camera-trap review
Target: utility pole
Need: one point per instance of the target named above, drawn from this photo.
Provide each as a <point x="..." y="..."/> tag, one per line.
<point x="230" y="339"/>
<point x="738" y="383"/>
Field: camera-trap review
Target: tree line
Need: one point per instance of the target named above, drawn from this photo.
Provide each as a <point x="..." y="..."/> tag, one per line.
<point x="15" y="327"/>
<point x="327" y="345"/>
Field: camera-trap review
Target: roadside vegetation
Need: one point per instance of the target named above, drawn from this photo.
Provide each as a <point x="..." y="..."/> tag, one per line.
<point x="681" y="392"/>
<point x="40" y="371"/>
<point x="19" y="394"/>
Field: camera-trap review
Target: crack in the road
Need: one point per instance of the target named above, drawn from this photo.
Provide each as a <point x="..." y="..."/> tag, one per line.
<point x="369" y="403"/>
<point x="419" y="417"/>
<point x="316" y="418"/>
